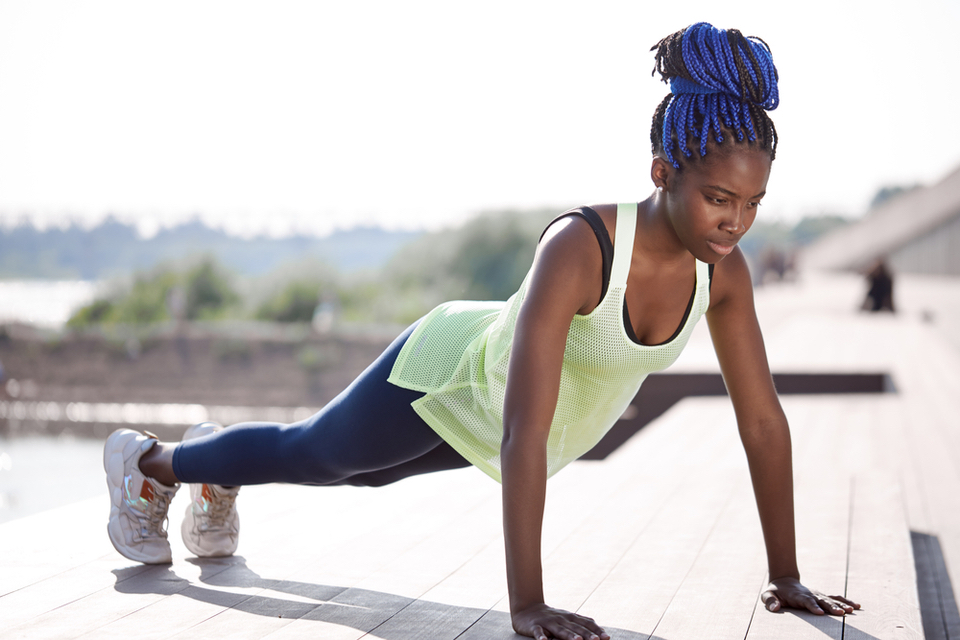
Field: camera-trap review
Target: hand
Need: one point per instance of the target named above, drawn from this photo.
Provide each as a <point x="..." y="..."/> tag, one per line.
<point x="788" y="592"/>
<point x="543" y="623"/>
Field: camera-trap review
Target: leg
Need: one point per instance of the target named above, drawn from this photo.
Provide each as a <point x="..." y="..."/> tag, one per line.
<point x="441" y="458"/>
<point x="369" y="434"/>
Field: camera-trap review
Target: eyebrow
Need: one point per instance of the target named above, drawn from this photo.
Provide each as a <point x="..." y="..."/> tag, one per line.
<point x="731" y="193"/>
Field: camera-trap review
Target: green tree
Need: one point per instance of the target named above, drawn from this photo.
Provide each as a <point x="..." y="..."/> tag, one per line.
<point x="295" y="302"/>
<point x="208" y="292"/>
<point x="484" y="259"/>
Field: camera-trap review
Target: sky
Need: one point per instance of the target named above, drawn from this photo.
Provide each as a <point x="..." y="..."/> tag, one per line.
<point x="307" y="116"/>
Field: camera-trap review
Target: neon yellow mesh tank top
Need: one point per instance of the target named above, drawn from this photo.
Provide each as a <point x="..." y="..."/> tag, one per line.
<point x="459" y="354"/>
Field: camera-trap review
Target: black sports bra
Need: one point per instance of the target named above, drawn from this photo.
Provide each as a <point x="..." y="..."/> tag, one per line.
<point x="606" y="251"/>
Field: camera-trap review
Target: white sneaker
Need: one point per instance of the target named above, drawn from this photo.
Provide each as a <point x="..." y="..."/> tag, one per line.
<point x="211" y="527"/>
<point x="138" y="504"/>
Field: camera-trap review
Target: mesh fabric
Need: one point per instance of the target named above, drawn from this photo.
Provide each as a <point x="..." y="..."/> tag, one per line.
<point x="460" y="352"/>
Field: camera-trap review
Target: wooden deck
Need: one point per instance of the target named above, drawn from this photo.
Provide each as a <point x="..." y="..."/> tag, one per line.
<point x="661" y="540"/>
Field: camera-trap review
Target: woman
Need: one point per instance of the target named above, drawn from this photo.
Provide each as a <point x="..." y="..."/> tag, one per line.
<point x="521" y="388"/>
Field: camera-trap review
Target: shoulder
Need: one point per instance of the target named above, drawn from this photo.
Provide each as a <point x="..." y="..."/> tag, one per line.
<point x="570" y="232"/>
<point x="731" y="280"/>
<point x="568" y="263"/>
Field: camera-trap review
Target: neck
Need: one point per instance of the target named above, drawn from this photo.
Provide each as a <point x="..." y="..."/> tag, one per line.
<point x="659" y="241"/>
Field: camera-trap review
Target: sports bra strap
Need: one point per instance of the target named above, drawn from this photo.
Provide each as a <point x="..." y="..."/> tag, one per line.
<point x="623" y="243"/>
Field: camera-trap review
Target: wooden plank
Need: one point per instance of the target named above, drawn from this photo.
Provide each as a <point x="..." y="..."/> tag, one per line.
<point x="287" y="558"/>
<point x="881" y="569"/>
<point x="939" y="492"/>
<point x="348" y="567"/>
<point x="927" y="451"/>
<point x="702" y="440"/>
<point x="399" y="577"/>
<point x="672" y="454"/>
<point x="717" y="597"/>
<point x="72" y="587"/>
<point x="822" y="499"/>
<point x="640" y="587"/>
<point x="36" y="548"/>
<point x="938" y="605"/>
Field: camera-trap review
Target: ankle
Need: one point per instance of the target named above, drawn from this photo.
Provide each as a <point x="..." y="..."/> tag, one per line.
<point x="157" y="463"/>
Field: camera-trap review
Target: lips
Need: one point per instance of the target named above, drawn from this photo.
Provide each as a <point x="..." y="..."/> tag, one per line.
<point x="722" y="249"/>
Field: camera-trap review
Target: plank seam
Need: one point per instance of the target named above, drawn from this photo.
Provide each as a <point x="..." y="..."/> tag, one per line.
<point x="753" y="613"/>
<point x="846" y="573"/>
<point x="693" y="561"/>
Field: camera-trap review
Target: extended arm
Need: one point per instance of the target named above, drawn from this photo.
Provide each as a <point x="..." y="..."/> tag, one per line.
<point x="764" y="433"/>
<point x="558" y="289"/>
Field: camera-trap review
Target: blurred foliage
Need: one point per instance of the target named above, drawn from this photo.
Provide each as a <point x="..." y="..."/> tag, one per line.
<point x="485" y="258"/>
<point x="296" y="302"/>
<point x="889" y="192"/>
<point x="209" y="292"/>
<point x="201" y="292"/>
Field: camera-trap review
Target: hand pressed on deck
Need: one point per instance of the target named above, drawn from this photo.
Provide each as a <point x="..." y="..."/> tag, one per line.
<point x="788" y="592"/>
<point x="542" y="623"/>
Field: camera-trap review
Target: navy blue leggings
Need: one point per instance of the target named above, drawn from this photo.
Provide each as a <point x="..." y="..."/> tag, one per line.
<point x="369" y="435"/>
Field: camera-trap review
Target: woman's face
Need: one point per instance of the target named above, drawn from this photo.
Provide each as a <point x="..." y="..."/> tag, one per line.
<point x="713" y="202"/>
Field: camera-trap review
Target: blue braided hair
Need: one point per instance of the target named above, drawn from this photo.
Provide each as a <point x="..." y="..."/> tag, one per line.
<point x="721" y="82"/>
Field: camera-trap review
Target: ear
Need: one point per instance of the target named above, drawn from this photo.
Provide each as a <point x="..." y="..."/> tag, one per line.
<point x="662" y="172"/>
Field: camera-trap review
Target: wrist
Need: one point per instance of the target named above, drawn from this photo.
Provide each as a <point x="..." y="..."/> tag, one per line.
<point x="527" y="608"/>
<point x="522" y="604"/>
<point x="777" y="570"/>
<point x="792" y="577"/>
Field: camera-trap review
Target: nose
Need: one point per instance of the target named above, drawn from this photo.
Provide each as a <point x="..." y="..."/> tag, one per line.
<point x="734" y="223"/>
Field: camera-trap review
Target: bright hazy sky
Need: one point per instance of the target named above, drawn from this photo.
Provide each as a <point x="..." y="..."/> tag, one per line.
<point x="309" y="115"/>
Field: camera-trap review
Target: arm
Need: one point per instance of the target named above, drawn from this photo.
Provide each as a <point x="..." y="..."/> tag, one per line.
<point x="558" y="289"/>
<point x="763" y="432"/>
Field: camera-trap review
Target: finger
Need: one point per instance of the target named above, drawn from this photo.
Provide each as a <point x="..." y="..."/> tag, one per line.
<point x="811" y="605"/>
<point x="592" y="626"/>
<point x="833" y="608"/>
<point x="571" y="631"/>
<point x="846" y="601"/>
<point x="538" y="633"/>
<point x="770" y="601"/>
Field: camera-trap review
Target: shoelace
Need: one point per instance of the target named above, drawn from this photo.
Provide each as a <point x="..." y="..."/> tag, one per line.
<point x="220" y="506"/>
<point x="155" y="520"/>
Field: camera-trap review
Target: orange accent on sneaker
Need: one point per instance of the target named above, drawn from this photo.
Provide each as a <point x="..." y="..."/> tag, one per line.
<point x="147" y="493"/>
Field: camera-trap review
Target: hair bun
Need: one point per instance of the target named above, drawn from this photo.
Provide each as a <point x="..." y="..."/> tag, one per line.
<point x="719" y="61"/>
<point x="722" y="83"/>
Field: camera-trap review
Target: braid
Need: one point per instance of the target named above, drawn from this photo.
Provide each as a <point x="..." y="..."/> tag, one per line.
<point x="721" y="82"/>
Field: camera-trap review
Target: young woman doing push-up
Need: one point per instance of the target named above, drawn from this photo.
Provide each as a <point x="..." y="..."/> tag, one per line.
<point x="519" y="389"/>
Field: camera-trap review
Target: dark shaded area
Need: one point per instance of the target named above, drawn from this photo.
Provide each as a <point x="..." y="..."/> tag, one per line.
<point x="880" y="295"/>
<point x="938" y="605"/>
<point x="383" y="615"/>
<point x="663" y="390"/>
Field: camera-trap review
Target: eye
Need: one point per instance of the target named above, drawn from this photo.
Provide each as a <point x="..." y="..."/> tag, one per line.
<point x="754" y="205"/>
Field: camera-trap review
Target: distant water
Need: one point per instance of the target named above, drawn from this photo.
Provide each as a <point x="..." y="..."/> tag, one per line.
<point x="39" y="473"/>
<point x="48" y="303"/>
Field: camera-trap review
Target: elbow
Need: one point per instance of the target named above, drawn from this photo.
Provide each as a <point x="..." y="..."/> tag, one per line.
<point x="512" y="442"/>
<point x="764" y="434"/>
<point x="522" y="446"/>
